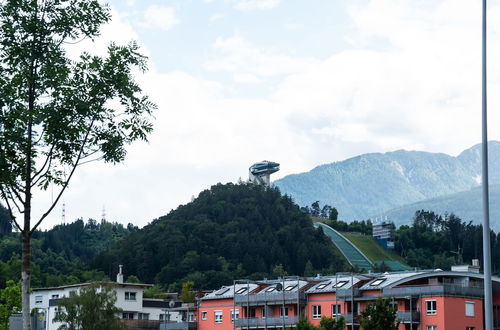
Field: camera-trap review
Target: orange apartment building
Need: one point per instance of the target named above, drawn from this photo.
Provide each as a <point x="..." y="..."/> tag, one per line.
<point x="425" y="300"/>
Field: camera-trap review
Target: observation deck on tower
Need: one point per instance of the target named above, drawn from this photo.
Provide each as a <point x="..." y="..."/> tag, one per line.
<point x="260" y="172"/>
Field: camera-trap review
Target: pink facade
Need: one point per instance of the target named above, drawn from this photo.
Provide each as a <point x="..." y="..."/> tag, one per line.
<point x="427" y="300"/>
<point x="217" y="314"/>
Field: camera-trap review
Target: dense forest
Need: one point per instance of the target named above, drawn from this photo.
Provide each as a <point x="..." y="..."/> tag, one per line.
<point x="440" y="241"/>
<point x="62" y="255"/>
<point x="230" y="231"/>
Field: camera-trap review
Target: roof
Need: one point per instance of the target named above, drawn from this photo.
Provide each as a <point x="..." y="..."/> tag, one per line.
<point x="384" y="280"/>
<point x="332" y="283"/>
<point x="284" y="285"/>
<point x="228" y="291"/>
<point x="438" y="272"/>
<point x="62" y="287"/>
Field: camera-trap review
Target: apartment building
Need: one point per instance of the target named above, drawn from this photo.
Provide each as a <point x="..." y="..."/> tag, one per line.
<point x="138" y="312"/>
<point x="425" y="300"/>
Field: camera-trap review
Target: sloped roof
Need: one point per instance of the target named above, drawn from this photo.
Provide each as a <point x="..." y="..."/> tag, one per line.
<point x="228" y="291"/>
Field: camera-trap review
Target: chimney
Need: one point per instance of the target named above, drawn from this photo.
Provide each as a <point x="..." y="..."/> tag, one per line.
<point x="119" y="276"/>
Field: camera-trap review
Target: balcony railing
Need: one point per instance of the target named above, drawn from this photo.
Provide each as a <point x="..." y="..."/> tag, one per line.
<point x="348" y="293"/>
<point x="266" y="322"/>
<point x="407" y="317"/>
<point x="438" y="290"/>
<point x="348" y="318"/>
<point x="270" y="299"/>
<point x="178" y="325"/>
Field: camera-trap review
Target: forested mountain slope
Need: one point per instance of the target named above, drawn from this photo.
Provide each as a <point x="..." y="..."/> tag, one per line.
<point x="62" y="254"/>
<point x="370" y="184"/>
<point x="228" y="232"/>
<point x="466" y="205"/>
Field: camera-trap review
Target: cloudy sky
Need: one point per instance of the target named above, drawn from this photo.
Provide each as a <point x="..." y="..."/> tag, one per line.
<point x="299" y="82"/>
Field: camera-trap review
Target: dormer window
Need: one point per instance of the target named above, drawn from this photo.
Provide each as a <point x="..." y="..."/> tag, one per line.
<point x="377" y="282"/>
<point x="340" y="284"/>
<point x="322" y="286"/>
<point x="222" y="291"/>
<point x="241" y="291"/>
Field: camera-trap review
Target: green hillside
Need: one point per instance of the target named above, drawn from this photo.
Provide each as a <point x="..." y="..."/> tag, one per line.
<point x="373" y="251"/>
<point x="230" y="231"/>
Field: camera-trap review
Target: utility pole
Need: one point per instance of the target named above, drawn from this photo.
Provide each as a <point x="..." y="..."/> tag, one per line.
<point x="488" y="306"/>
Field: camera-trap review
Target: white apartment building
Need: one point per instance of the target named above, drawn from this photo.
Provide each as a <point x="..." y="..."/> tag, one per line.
<point x="129" y="298"/>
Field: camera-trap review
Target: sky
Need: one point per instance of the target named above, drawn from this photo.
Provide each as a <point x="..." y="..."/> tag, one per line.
<point x="302" y="83"/>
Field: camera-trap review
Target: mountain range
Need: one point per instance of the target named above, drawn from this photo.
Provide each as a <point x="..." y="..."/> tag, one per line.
<point x="396" y="184"/>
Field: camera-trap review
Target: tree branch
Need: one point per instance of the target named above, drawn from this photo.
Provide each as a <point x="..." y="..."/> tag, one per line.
<point x="48" y="161"/>
<point x="75" y="165"/>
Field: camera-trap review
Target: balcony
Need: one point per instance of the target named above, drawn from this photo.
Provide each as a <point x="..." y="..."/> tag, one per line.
<point x="435" y="290"/>
<point x="178" y="325"/>
<point x="348" y="293"/>
<point x="408" y="317"/>
<point x="270" y="299"/>
<point x="269" y="322"/>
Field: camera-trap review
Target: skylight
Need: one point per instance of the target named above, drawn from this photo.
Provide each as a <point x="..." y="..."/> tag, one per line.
<point x="340" y="284"/>
<point x="290" y="287"/>
<point x="271" y="289"/>
<point x="242" y="290"/>
<point x="377" y="282"/>
<point x="322" y="286"/>
<point x="221" y="291"/>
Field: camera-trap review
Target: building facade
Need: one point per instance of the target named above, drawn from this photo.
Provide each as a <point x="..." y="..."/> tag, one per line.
<point x="425" y="300"/>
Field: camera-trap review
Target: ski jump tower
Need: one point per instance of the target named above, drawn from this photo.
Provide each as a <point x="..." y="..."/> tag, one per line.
<point x="260" y="173"/>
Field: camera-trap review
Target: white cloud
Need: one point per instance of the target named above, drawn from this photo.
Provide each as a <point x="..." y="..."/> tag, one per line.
<point x="420" y="91"/>
<point x="216" y="17"/>
<point x="241" y="58"/>
<point x="160" y="17"/>
<point x="257" y="4"/>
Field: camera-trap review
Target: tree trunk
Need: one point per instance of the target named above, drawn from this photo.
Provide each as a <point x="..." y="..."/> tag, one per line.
<point x="26" y="277"/>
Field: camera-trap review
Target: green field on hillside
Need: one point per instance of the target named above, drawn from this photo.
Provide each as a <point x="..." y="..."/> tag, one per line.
<point x="371" y="249"/>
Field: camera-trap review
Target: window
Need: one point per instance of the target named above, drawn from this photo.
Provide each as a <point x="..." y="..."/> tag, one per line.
<point x="263" y="312"/>
<point x="469" y="308"/>
<point x="38" y="299"/>
<point x="430" y="307"/>
<point x="55" y="296"/>
<point x="165" y="317"/>
<point x="235" y="314"/>
<point x="221" y="291"/>
<point x="377" y="282"/>
<point x="470" y="328"/>
<point x="128" y="316"/>
<point x="130" y="295"/>
<point x="335" y="309"/>
<point x="340" y="284"/>
<point x="271" y="289"/>
<point x="322" y="286"/>
<point x="203" y="315"/>
<point x="432" y="327"/>
<point x="316" y="311"/>
<point x="143" y="316"/>
<point x="290" y="287"/>
<point x="191" y="317"/>
<point x="284" y="312"/>
<point x="218" y="316"/>
<point x="242" y="290"/>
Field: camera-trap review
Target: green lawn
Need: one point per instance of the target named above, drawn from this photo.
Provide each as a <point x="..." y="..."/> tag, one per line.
<point x="371" y="249"/>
